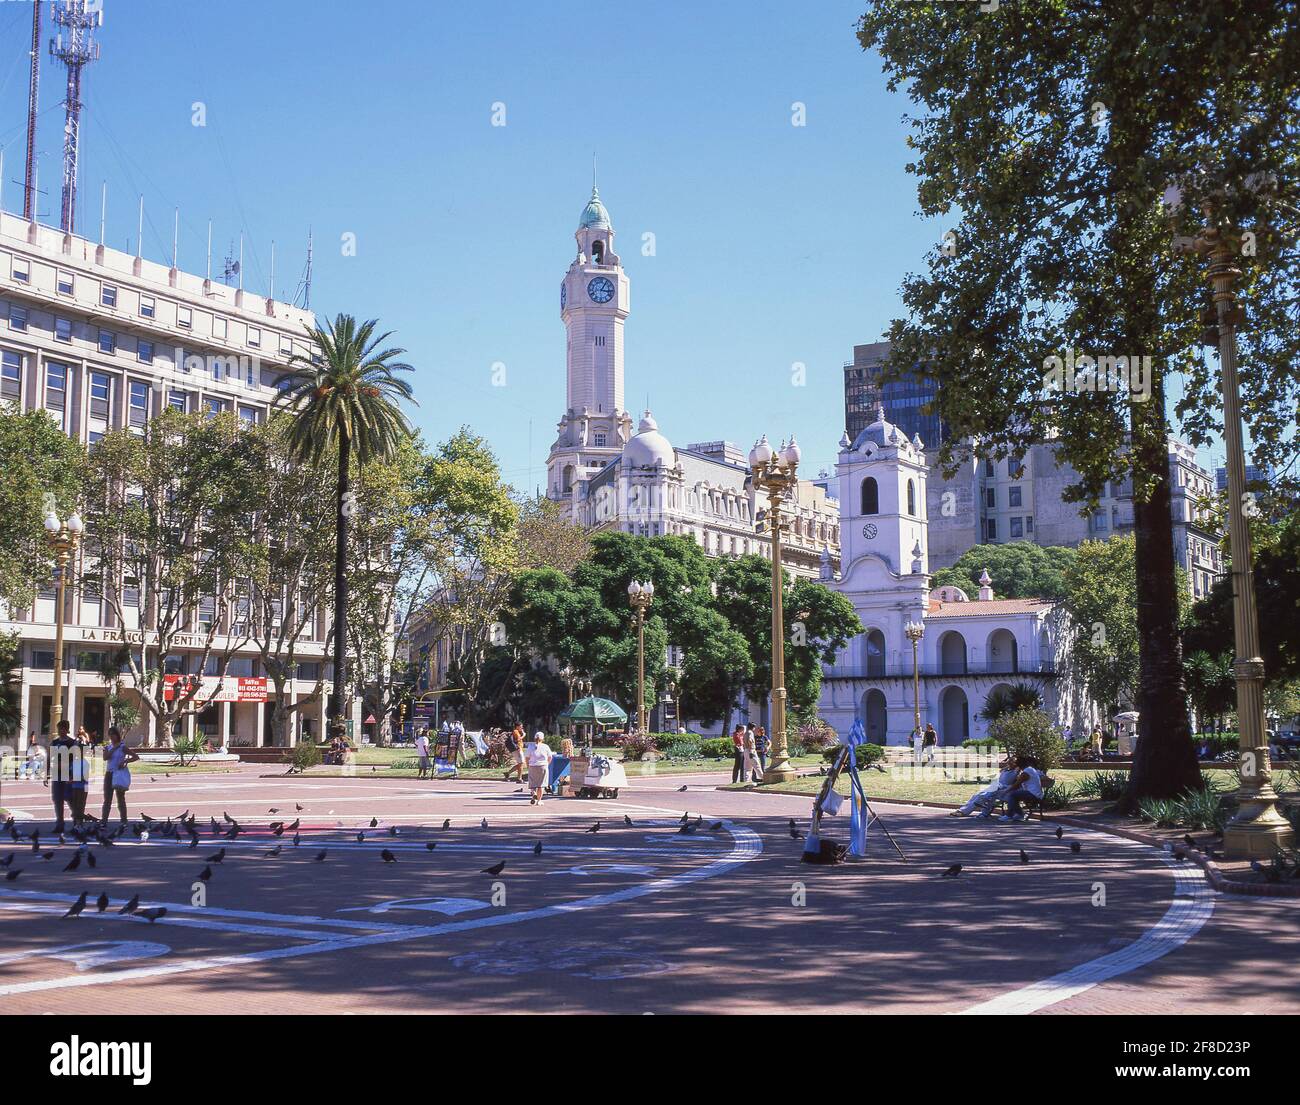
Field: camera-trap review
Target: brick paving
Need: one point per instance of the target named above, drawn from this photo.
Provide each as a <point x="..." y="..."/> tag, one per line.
<point x="636" y="918"/>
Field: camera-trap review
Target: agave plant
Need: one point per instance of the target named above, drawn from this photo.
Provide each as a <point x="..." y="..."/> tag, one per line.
<point x="1002" y="701"/>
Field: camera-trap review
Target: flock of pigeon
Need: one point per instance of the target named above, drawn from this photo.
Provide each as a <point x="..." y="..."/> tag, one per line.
<point x="185" y="827"/>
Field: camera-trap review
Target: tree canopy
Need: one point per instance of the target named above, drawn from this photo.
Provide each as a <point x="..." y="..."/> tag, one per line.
<point x="1019" y="570"/>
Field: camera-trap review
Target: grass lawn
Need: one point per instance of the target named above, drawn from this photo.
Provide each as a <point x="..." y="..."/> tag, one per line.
<point x="142" y="768"/>
<point x="401" y="763"/>
<point x="911" y="786"/>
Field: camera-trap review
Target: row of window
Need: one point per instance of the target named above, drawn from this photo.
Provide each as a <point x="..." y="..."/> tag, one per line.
<point x="1017" y="526"/>
<point x="870" y="497"/>
<point x="65" y="283"/>
<point x="246" y="667"/>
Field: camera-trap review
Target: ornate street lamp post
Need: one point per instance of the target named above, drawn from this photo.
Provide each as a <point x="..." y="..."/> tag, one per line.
<point x="1257" y="830"/>
<point x="63" y="538"/>
<point x="640" y="595"/>
<point x="775" y="473"/>
<point x="915" y="631"/>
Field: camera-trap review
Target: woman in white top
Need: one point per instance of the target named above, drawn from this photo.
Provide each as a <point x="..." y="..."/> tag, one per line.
<point x="539" y="763"/>
<point x="117" y="776"/>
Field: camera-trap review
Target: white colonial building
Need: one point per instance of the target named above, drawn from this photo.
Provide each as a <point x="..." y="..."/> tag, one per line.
<point x="610" y="478"/>
<point x="970" y="648"/>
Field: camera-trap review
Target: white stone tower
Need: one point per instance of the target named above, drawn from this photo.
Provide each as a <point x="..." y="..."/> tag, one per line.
<point x="593" y="306"/>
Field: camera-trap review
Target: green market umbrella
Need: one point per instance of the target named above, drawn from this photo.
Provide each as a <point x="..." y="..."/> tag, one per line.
<point x="594" y="711"/>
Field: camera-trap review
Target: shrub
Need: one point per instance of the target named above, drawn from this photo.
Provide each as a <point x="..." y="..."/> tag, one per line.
<point x="1164" y="812"/>
<point x="813" y="736"/>
<point x="1030" y="733"/>
<point x="1202" y="809"/>
<point x="1057" y="797"/>
<point x="716" y="748"/>
<point x="637" y="746"/>
<point x="1218" y="743"/>
<point x="680" y="746"/>
<point x="987" y="746"/>
<point x="304" y="755"/>
<point x="1109" y="786"/>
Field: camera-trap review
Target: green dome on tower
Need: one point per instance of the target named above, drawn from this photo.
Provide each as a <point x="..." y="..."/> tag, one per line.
<point x="594" y="215"/>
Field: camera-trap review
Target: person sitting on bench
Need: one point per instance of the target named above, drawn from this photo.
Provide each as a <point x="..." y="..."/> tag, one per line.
<point x="995" y="792"/>
<point x="1028" y="785"/>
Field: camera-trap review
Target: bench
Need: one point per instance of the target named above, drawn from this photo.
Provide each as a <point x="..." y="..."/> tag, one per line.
<point x="1030" y="804"/>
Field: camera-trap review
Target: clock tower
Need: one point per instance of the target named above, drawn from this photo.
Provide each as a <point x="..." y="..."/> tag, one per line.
<point x="882" y="499"/>
<point x="593" y="307"/>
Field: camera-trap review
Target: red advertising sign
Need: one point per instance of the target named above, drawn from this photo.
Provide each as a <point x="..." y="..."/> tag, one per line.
<point x="232" y="688"/>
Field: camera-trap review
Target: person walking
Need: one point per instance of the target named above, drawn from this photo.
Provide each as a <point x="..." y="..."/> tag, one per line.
<point x="422" y="751"/>
<point x="761" y="746"/>
<point x="929" y="741"/>
<point x="79" y="777"/>
<point x="117" y="776"/>
<point x="59" y="773"/>
<point x="753" y="771"/>
<point x="738" y="753"/>
<point x="539" y="763"/>
<point x="515" y="749"/>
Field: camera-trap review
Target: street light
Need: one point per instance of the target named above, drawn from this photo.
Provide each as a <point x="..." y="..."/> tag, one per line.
<point x="1257" y="830"/>
<point x="775" y="473"/>
<point x="63" y="538"/>
<point x="640" y="595"/>
<point x="915" y="631"/>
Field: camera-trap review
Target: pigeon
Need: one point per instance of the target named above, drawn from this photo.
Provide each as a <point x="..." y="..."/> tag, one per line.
<point x="194" y="843"/>
<point x="392" y="830"/>
<point x="215" y="828"/>
<point x="278" y="831"/>
<point x="1187" y="839"/>
<point x="685" y="817"/>
<point x="90" y="859"/>
<point x="298" y="807"/>
<point x="74" y="862"/>
<point x="446" y="823"/>
<point x="1060" y="832"/>
<point x="483" y="824"/>
<point x="274" y="809"/>
<point x="430" y="845"/>
<point x="296" y="840"/>
<point x="205" y="874"/>
<point x="537" y="848"/>
<point x="13" y="873"/>
<point x="151" y="915"/>
<point x="320" y="856"/>
<point x="101" y="903"/>
<point x="681" y="788"/>
<point x="715" y="827"/>
<point x="952" y="871"/>
<point x="684" y="829"/>
<point x="595" y="828"/>
<point x="495" y="869"/>
<point x="792" y="822"/>
<point x="361" y="837"/>
<point x="294" y="827"/>
<point x="77" y="906"/>
<point x="276" y="850"/>
<point x="374" y="822"/>
<point x="227" y="818"/>
<point x="1023" y="858"/>
<point x="387" y="856"/>
<point x="627" y="820"/>
<point x="7" y="860"/>
<point x="216" y="857"/>
<point x="795" y="834"/>
<point x="1076" y="847"/>
<point x="131" y="905"/>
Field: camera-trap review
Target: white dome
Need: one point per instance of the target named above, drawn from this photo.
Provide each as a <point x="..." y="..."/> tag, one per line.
<point x="648" y="448"/>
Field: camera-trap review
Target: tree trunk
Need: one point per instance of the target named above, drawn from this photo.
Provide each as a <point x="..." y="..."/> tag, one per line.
<point x="1164" y="762"/>
<point x="337" y="707"/>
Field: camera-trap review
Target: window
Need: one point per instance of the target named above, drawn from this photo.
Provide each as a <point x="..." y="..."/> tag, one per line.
<point x="911" y="498"/>
<point x="600" y="339"/>
<point x="11" y="376"/>
<point x="214" y="406"/>
<point x="18" y="318"/>
<point x="1017" y="527"/>
<point x="286" y="345"/>
<point x="992" y="529"/>
<point x="1016" y="467"/>
<point x="219" y="327"/>
<point x="1029" y="523"/>
<point x="1013" y="496"/>
<point x="146" y="306"/>
<point x="56" y="388"/>
<point x="62" y="329"/>
<point x="144" y="351"/>
<point x="870" y="496"/>
<point x="100" y="391"/>
<point x="989" y="469"/>
<point x="20" y="271"/>
<point x="139" y="413"/>
<point x="249" y="415"/>
<point x="107" y="296"/>
<point x="599" y="440"/>
<point x="184" y="318"/>
<point x="107" y="342"/>
<point x="65" y="283"/>
<point x="254" y="337"/>
<point x="178" y="401"/>
<point x="991" y="498"/>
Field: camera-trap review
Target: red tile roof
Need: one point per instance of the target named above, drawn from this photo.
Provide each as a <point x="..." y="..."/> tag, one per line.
<point x="977" y="608"/>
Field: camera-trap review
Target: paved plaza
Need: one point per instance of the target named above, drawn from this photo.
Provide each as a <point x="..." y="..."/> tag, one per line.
<point x="631" y="918"/>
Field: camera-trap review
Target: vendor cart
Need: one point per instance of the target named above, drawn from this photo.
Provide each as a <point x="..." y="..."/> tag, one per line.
<point x="596" y="777"/>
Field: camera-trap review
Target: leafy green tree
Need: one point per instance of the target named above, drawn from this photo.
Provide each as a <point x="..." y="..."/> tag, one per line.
<point x="10" y="684"/>
<point x="1047" y="138"/>
<point x="1002" y="701"/>
<point x="167" y="529"/>
<point x="1211" y="684"/>
<point x="1019" y="570"/>
<point x="346" y="400"/>
<point x="42" y="467"/>
<point x="1101" y="604"/>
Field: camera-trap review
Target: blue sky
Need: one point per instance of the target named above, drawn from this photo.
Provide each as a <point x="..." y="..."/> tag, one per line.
<point x="775" y="244"/>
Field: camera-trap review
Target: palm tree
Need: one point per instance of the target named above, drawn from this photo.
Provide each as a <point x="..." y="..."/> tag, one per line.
<point x="1019" y="696"/>
<point x="346" y="398"/>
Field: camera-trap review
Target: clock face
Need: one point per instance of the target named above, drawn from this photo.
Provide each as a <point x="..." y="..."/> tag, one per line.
<point x="869" y="531"/>
<point x="601" y="289"/>
<point x="564" y="295"/>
